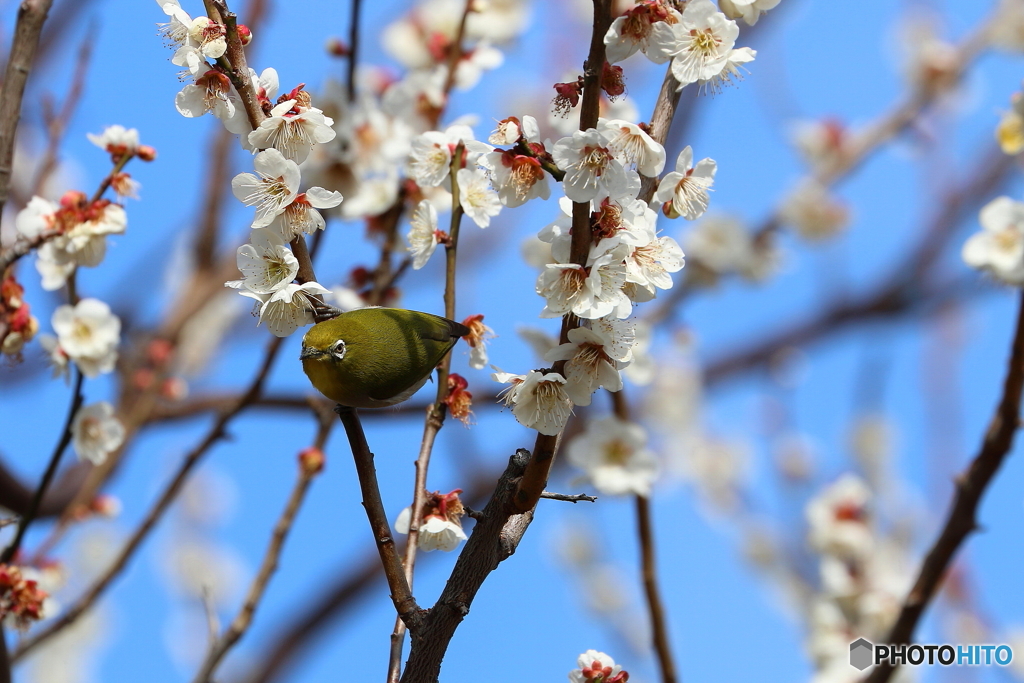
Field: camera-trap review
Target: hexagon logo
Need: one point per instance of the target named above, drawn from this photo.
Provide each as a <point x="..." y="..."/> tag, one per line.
<point x="861" y="654"/>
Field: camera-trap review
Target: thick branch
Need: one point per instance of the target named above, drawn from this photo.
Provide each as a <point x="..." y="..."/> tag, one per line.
<point x="31" y="16"/>
<point x="494" y="539"/>
<point x="241" y="622"/>
<point x="535" y="479"/>
<point x="970" y="487"/>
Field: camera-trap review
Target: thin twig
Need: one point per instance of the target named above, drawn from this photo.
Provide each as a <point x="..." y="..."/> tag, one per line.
<point x="970" y="487"/>
<point x="435" y="416"/>
<point x="51" y="470"/>
<point x="905" y="289"/>
<point x="167" y="496"/>
<point x="568" y="497"/>
<point x="56" y="128"/>
<point x="401" y="595"/>
<point x="655" y="606"/>
<point x="648" y="566"/>
<point x="243" y="619"/>
<point x="455" y="53"/>
<point x="353" y="51"/>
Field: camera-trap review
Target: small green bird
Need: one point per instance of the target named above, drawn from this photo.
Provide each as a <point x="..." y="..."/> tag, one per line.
<point x="376" y="357"/>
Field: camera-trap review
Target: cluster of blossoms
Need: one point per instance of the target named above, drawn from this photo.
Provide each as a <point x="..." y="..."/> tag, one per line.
<point x="17" y="324"/>
<point x="21" y="600"/>
<point x="863" y="576"/>
<point x="699" y="40"/>
<point x="626" y="263"/>
<point x="288" y="129"/>
<point x="73" y="232"/>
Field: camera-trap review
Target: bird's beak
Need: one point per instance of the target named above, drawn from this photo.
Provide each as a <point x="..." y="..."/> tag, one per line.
<point x="309" y="352"/>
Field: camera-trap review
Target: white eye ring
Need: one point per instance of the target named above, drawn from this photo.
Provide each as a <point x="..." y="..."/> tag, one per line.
<point x="337" y="349"/>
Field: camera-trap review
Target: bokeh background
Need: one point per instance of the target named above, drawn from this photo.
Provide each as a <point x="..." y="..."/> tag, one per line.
<point x="932" y="375"/>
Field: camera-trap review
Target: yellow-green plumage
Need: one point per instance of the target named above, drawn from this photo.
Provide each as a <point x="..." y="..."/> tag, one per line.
<point x="386" y="355"/>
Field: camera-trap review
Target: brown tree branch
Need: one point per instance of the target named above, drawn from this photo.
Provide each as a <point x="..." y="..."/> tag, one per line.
<point x="307" y="472"/>
<point x="495" y="537"/>
<point x="31" y="16"/>
<point x="51" y="470"/>
<point x="401" y="594"/>
<point x="535" y="478"/>
<point x="904" y="290"/>
<point x="970" y="487"/>
<point x="435" y="414"/>
<point x="353" y="51"/>
<point x="167" y="496"/>
<point x="648" y="566"/>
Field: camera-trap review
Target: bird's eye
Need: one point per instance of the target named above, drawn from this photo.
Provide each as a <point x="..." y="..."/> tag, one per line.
<point x="337" y="349"/>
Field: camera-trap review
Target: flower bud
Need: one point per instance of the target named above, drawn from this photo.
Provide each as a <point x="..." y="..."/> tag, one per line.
<point x="244" y="34"/>
<point x="312" y="460"/>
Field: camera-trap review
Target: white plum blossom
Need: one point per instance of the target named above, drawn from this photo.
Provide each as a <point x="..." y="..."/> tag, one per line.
<point x="373" y="197"/>
<point x="271" y="189"/>
<point x="206" y="40"/>
<point x="511" y="129"/>
<point x="702" y="42"/>
<point x="96" y="432"/>
<point x="615" y="456"/>
<point x="422" y="236"/>
<point x="650" y="264"/>
<point x="649" y="259"/>
<point x="266" y="85"/>
<point x="748" y="10"/>
<point x="480" y="58"/>
<point x="77" y="229"/>
<point x="88" y="334"/>
<point x="210" y="93"/>
<point x="589" y="365"/>
<point x="731" y="72"/>
<point x="814" y="212"/>
<point x="288" y="308"/>
<point x="720" y="244"/>
<point x="685" y="190"/>
<point x="568" y="287"/>
<point x="302" y="215"/>
<point x="431" y="154"/>
<point x="838" y="519"/>
<point x="594" y="667"/>
<point x="436" y="533"/>
<point x="538" y="399"/>
<point x="477" y="338"/>
<point x="267" y="264"/>
<point x="476" y="196"/>
<point x="37" y="216"/>
<point x="591" y="168"/>
<point x="176" y="31"/>
<point x="999" y="247"/>
<point x="292" y="129"/>
<point x="633" y="146"/>
<point x="517" y="178"/>
<point x="117" y="140"/>
<point x="639" y="29"/>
